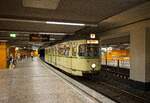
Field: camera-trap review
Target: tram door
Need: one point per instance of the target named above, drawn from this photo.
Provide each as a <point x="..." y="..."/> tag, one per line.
<point x="55" y="57"/>
<point x="70" y="55"/>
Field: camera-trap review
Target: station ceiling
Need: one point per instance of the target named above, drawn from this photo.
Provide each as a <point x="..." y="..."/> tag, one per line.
<point x="27" y="17"/>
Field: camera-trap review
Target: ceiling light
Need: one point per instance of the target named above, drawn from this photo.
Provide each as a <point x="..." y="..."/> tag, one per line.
<point x="126" y="44"/>
<point x="4" y="41"/>
<point x="47" y="22"/>
<point x="104" y="49"/>
<point x="109" y="48"/>
<point x="41" y="4"/>
<point x="52" y="33"/>
<point x="52" y="39"/>
<point x="17" y="48"/>
<point x="65" y="23"/>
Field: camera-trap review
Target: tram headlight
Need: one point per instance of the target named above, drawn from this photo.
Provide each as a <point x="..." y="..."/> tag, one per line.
<point x="93" y="65"/>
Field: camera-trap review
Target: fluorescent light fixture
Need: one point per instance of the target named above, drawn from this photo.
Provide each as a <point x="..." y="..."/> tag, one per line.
<point x="17" y="48"/>
<point x="109" y="48"/>
<point x="34" y="48"/>
<point x="52" y="33"/>
<point x="65" y="23"/>
<point x="104" y="49"/>
<point x="51" y="39"/>
<point x="126" y="44"/>
<point x="48" y="22"/>
<point x="41" y="4"/>
<point x="3" y="41"/>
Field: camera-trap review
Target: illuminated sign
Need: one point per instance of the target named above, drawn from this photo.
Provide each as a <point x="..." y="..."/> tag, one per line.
<point x="13" y="35"/>
<point x="92" y="36"/>
<point x="92" y="41"/>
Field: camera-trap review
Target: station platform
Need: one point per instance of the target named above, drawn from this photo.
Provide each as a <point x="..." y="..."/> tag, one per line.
<point x="31" y="82"/>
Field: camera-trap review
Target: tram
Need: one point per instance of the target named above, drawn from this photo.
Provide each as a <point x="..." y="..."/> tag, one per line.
<point x="77" y="57"/>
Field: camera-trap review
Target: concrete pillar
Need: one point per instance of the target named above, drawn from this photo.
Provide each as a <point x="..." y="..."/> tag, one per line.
<point x="147" y="72"/>
<point x="140" y="54"/>
<point x="137" y="38"/>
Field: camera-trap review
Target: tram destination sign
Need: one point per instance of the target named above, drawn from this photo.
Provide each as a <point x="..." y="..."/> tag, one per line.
<point x="92" y="41"/>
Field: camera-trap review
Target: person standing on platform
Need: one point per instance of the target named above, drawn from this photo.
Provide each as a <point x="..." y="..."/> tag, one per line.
<point x="32" y="55"/>
<point x="11" y="62"/>
<point x="18" y="57"/>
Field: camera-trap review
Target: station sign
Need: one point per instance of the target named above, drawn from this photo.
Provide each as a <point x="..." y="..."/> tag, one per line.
<point x="13" y="35"/>
<point x="39" y="38"/>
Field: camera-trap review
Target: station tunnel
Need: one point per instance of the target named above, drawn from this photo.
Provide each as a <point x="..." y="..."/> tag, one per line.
<point x="102" y="45"/>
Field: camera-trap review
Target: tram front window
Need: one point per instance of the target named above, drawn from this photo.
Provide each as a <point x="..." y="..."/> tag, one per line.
<point x="89" y="50"/>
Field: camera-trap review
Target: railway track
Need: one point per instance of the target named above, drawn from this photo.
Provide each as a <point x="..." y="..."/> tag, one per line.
<point x="103" y="86"/>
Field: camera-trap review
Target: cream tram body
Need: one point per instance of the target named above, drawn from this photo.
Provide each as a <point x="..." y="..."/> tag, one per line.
<point x="74" y="57"/>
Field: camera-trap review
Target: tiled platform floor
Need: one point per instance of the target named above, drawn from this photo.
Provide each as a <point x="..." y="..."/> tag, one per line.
<point x="30" y="82"/>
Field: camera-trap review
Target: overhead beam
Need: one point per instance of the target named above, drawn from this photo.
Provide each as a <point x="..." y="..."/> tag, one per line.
<point x="48" y="22"/>
<point x="34" y="32"/>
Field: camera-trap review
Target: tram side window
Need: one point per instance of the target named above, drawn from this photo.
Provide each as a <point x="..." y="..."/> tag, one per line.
<point x="74" y="50"/>
<point x="66" y="51"/>
<point x="53" y="51"/>
<point x="49" y="51"/>
<point x="60" y="51"/>
<point x="56" y="51"/>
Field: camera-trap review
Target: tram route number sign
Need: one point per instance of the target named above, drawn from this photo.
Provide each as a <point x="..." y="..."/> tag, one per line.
<point x="39" y="38"/>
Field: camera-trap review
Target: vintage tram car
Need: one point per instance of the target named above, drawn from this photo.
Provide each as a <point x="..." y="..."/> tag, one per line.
<point x="77" y="57"/>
